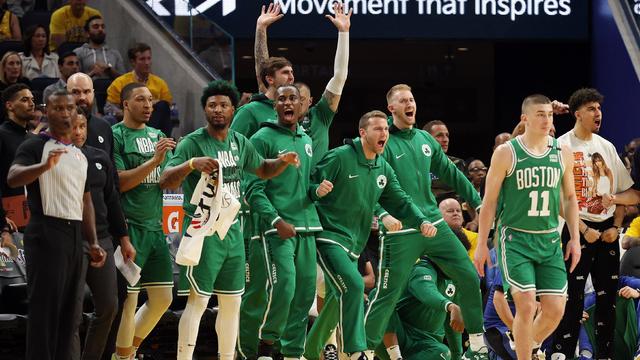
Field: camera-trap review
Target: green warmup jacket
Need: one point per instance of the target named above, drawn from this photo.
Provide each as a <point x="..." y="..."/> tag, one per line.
<point x="285" y="196"/>
<point x="414" y="154"/>
<point x="248" y="117"/>
<point x="422" y="307"/>
<point x="358" y="184"/>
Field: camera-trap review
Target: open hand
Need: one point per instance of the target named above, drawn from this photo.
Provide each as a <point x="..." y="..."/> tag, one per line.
<point x="341" y="21"/>
<point x="268" y="16"/>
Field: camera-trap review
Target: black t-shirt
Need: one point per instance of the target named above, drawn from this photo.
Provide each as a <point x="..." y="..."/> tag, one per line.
<point x="99" y="135"/>
<point x="30" y="153"/>
<point x="106" y="199"/>
<point x="11" y="136"/>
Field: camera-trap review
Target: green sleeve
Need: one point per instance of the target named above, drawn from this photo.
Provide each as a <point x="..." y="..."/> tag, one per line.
<point x="454" y="339"/>
<point x="423" y="285"/>
<point x="323" y="112"/>
<point x="398" y="203"/>
<point x="251" y="159"/>
<point x="255" y="195"/>
<point x="449" y="173"/>
<point x="244" y="122"/>
<point x="118" y="148"/>
<point x="379" y="211"/>
<point x="326" y="169"/>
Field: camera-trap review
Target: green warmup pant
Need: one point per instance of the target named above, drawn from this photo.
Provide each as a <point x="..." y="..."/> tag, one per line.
<point x="415" y="345"/>
<point x="398" y="256"/>
<point x="253" y="301"/>
<point x="343" y="305"/>
<point x="626" y="333"/>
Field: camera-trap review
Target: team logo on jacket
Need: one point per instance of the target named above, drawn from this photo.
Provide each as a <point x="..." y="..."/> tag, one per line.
<point x="426" y="150"/>
<point x="308" y="150"/>
<point x="451" y="290"/>
<point x="100" y="139"/>
<point x="99" y="166"/>
<point x="381" y="181"/>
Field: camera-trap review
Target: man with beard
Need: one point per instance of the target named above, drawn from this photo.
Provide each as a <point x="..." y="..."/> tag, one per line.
<point x="68" y="65"/>
<point x="96" y="58"/>
<point x="361" y="178"/>
<point x="62" y="214"/>
<point x="18" y="102"/>
<point x="99" y="133"/>
<point x="220" y="269"/>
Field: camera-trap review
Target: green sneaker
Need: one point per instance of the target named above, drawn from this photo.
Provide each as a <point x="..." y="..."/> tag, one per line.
<point x="483" y="354"/>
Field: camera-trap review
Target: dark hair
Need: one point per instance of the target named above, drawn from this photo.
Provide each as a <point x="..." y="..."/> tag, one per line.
<point x="270" y="66"/>
<point x="64" y="56"/>
<point x="28" y="35"/>
<point x="9" y="94"/>
<point x="220" y="87"/>
<point x="364" y="119"/>
<point x="584" y="96"/>
<point x="462" y="237"/>
<point x="59" y="92"/>
<point x="136" y="49"/>
<point x="89" y="20"/>
<point x="125" y="94"/>
<point x="428" y="126"/>
<point x="535" y="99"/>
<point x="293" y="86"/>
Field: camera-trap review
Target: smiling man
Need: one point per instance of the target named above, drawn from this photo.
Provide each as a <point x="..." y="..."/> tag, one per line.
<point x="361" y="178"/>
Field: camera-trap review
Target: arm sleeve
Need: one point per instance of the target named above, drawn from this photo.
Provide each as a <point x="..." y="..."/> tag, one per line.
<point x="119" y="65"/>
<point x="323" y="112"/>
<point x="327" y="169"/>
<point x="244" y="122"/>
<point x="118" y="148"/>
<point x="379" y="211"/>
<point x="28" y="153"/>
<point x="423" y="286"/>
<point x="256" y="197"/>
<point x="56" y="25"/>
<point x="115" y="216"/>
<point x="448" y="172"/>
<point x="622" y="178"/>
<point x="454" y="339"/>
<point x="629" y="281"/>
<point x="251" y="158"/>
<point x="398" y="203"/>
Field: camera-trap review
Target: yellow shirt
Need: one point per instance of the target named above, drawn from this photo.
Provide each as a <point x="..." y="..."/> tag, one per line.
<point x="473" y="240"/>
<point x="158" y="87"/>
<point x="5" y="26"/>
<point x="64" y="23"/>
<point x="634" y="228"/>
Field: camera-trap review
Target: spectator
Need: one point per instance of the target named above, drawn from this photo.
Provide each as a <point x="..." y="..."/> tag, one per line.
<point x="9" y="24"/>
<point x="452" y="214"/>
<point x="97" y="59"/>
<point x="11" y="70"/>
<point x="140" y="58"/>
<point x="37" y="61"/>
<point x="632" y="236"/>
<point x="68" y="65"/>
<point x="18" y="101"/>
<point x="99" y="133"/>
<point x="477" y="172"/>
<point x="55" y="173"/>
<point x="439" y="131"/>
<point x="501" y="139"/>
<point x="20" y="7"/>
<point x="67" y="23"/>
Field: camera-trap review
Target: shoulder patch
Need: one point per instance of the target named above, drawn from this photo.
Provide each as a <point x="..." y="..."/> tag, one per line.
<point x="381" y="181"/>
<point x="426" y="150"/>
<point x="308" y="149"/>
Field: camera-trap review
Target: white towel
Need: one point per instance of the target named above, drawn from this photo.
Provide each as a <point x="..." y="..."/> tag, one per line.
<point x="208" y="202"/>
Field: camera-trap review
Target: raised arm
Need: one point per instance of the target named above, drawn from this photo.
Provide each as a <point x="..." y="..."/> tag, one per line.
<point x="260" y="48"/>
<point x="273" y="167"/>
<point x="342" y="22"/>
<point x="500" y="164"/>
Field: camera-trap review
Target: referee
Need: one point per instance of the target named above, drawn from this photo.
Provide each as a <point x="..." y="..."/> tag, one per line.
<point x="55" y="173"/>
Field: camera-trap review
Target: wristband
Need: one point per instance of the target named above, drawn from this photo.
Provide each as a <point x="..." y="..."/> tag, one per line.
<point x="191" y="164"/>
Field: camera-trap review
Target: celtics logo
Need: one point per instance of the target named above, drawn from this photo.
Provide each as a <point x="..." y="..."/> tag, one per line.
<point x="426" y="150"/>
<point x="381" y="181"/>
<point x="451" y="290"/>
<point x="308" y="150"/>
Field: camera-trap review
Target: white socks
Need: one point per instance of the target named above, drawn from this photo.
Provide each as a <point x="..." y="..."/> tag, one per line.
<point x="227" y="325"/>
<point x="190" y="324"/>
<point x="394" y="352"/>
<point x="476" y="343"/>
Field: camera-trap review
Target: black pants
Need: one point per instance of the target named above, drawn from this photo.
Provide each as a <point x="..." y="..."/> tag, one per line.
<point x="104" y="292"/>
<point x="602" y="261"/>
<point x="54" y="253"/>
<point x="498" y="343"/>
<point x="121" y="291"/>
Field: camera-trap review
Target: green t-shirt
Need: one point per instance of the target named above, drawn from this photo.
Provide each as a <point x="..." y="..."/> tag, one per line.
<point x="316" y="124"/>
<point x="142" y="205"/>
<point x="236" y="153"/>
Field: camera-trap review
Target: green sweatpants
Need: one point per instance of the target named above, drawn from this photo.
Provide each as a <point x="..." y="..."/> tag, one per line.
<point x="291" y="268"/>
<point x="253" y="301"/>
<point x="344" y="303"/>
<point x="398" y="256"/>
<point x="415" y="346"/>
